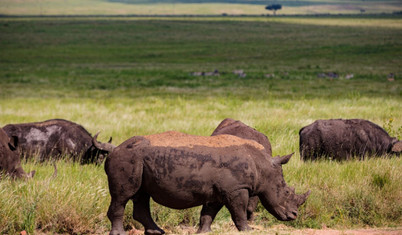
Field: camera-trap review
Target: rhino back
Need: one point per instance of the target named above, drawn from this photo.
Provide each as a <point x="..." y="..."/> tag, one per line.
<point x="237" y="128"/>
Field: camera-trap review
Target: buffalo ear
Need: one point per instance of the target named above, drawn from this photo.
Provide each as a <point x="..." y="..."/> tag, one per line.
<point x="13" y="143"/>
<point x="282" y="160"/>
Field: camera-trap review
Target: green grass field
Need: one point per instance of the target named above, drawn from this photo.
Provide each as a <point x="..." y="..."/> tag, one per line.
<point x="132" y="76"/>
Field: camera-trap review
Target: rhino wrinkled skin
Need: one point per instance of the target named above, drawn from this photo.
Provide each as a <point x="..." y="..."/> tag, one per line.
<point x="182" y="171"/>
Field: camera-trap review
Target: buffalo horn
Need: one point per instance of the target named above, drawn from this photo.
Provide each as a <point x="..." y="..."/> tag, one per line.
<point x="102" y="146"/>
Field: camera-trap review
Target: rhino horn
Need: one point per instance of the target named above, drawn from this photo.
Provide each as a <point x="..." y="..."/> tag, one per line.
<point x="302" y="198"/>
<point x="282" y="160"/>
<point x="102" y="146"/>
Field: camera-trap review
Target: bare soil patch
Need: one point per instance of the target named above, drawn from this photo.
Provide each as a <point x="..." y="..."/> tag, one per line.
<point x="283" y="229"/>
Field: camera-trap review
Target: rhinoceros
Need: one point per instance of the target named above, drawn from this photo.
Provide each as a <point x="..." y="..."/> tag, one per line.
<point x="237" y="128"/>
<point x="181" y="171"/>
<point x="342" y="139"/>
<point x="54" y="138"/>
<point x="10" y="163"/>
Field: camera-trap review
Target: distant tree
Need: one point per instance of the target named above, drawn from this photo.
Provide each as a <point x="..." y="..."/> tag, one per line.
<point x="274" y="7"/>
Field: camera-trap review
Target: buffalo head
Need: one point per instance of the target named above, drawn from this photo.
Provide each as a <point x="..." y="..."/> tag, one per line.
<point x="106" y="147"/>
<point x="396" y="146"/>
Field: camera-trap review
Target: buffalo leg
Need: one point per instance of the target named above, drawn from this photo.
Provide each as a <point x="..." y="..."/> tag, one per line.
<point x="237" y="205"/>
<point x="142" y="214"/>
<point x="208" y="214"/>
<point x="252" y="204"/>
<point x="115" y="215"/>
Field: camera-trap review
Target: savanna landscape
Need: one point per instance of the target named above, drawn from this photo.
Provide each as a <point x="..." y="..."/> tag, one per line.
<point x="140" y="75"/>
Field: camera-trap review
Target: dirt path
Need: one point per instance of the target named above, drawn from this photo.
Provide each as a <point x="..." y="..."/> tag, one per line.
<point x="284" y="230"/>
<point x="375" y="231"/>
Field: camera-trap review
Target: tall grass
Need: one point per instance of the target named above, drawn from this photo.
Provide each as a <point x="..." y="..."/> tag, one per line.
<point x="131" y="77"/>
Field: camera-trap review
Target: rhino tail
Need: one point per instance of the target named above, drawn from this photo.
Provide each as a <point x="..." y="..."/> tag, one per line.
<point x="55" y="171"/>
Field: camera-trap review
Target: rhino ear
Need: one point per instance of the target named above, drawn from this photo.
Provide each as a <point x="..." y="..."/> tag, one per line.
<point x="282" y="160"/>
<point x="13" y="143"/>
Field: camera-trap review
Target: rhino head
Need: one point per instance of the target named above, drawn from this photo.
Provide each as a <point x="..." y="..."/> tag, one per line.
<point x="277" y="197"/>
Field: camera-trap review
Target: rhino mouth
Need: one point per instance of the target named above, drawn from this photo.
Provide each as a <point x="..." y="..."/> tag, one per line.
<point x="286" y="216"/>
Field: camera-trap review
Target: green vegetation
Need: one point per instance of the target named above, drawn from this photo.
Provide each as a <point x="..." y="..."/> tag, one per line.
<point x="132" y="76"/>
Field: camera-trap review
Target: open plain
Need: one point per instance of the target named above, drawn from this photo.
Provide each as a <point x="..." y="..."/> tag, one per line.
<point x="129" y="76"/>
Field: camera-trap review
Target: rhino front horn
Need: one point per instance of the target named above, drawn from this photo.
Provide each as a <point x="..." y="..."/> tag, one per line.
<point x="303" y="198"/>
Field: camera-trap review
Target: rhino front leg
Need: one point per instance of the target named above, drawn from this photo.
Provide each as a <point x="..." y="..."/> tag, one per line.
<point x="142" y="214"/>
<point x="208" y="214"/>
<point x="115" y="215"/>
<point x="237" y="205"/>
<point x="252" y="204"/>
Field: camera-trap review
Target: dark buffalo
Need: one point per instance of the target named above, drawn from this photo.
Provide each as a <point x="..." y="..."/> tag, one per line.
<point x="342" y="139"/>
<point x="10" y="163"/>
<point x="239" y="129"/>
<point x="182" y="171"/>
<point x="55" y="138"/>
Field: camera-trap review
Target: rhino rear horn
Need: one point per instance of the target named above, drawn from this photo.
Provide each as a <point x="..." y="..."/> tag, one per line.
<point x="282" y="160"/>
<point x="102" y="146"/>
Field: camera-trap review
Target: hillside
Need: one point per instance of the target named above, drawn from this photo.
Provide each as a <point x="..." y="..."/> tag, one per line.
<point x="194" y="7"/>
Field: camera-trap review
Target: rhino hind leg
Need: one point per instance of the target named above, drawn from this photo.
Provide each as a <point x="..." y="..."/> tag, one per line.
<point x="237" y="204"/>
<point x="208" y="214"/>
<point x="142" y="214"/>
<point x="123" y="185"/>
<point x="115" y="215"/>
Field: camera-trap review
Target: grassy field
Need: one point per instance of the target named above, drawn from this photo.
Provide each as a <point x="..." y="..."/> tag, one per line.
<point x="133" y="76"/>
<point x="195" y="7"/>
